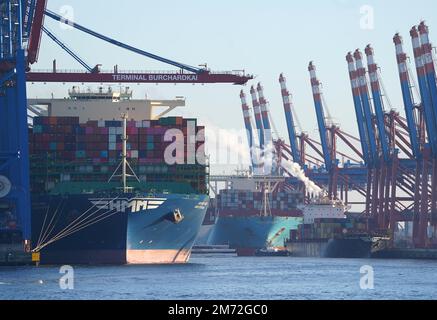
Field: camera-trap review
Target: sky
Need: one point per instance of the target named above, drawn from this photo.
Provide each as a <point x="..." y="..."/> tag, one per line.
<point x="264" y="38"/>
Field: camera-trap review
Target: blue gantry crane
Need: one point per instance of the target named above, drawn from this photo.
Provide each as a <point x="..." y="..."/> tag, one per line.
<point x="378" y="104"/>
<point x="410" y="106"/>
<point x="364" y="137"/>
<point x="426" y="75"/>
<point x="15" y="20"/>
<point x="366" y="107"/>
<point x="321" y="119"/>
<point x="291" y="127"/>
<point x="258" y="117"/>
<point x="248" y="123"/>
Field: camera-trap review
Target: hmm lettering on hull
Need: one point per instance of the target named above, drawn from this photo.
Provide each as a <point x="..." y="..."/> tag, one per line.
<point x="134" y="205"/>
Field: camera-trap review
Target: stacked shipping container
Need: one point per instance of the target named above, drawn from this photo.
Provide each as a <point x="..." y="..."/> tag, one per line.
<point x="62" y="149"/>
<point x="328" y="228"/>
<point x="237" y="202"/>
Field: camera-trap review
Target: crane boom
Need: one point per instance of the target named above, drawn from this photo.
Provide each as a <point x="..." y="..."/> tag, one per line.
<point x="36" y="31"/>
<point x="424" y="91"/>
<point x="248" y="124"/>
<point x="364" y="138"/>
<point x="407" y="95"/>
<point x="77" y="26"/>
<point x="315" y="84"/>
<point x="66" y="49"/>
<point x="286" y="99"/>
<point x="137" y="77"/>
<point x="429" y="68"/>
<point x="258" y="118"/>
<point x="378" y="103"/>
<point x="367" y="108"/>
<point x="268" y="137"/>
<point x="186" y="74"/>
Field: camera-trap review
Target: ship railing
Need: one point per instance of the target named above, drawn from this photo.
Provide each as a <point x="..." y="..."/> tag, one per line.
<point x="110" y="71"/>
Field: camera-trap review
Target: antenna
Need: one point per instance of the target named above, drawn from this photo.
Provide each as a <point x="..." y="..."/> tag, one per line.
<point x="124" y="164"/>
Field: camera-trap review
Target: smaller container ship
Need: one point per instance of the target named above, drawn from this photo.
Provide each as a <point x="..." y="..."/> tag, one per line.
<point x="328" y="232"/>
<point x="255" y="214"/>
<point x="401" y="244"/>
<point x="207" y="225"/>
<point x="259" y="216"/>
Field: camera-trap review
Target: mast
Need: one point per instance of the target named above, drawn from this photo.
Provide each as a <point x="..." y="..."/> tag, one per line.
<point x="124" y="154"/>
<point x="124" y="164"/>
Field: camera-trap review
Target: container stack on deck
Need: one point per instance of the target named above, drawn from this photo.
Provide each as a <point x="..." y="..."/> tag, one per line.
<point x="237" y="202"/>
<point x="328" y="228"/>
<point x="62" y="149"/>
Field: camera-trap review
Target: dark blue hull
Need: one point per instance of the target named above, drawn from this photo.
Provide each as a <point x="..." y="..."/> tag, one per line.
<point x="331" y="248"/>
<point x="116" y="228"/>
<point x="246" y="234"/>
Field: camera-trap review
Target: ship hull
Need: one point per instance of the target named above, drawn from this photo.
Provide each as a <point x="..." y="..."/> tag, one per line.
<point x="246" y="234"/>
<point x="204" y="234"/>
<point x="332" y="248"/>
<point x="348" y="248"/>
<point x="116" y="229"/>
<point x="404" y="253"/>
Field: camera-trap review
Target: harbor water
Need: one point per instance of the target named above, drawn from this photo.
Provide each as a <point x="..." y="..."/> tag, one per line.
<point x="228" y="277"/>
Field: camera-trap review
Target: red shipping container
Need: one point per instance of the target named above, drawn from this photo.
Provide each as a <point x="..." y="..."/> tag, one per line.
<point x="93" y="123"/>
<point x="132" y="131"/>
<point x="103" y="146"/>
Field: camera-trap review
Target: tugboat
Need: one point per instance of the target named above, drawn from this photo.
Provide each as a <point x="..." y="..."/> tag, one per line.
<point x="272" y="252"/>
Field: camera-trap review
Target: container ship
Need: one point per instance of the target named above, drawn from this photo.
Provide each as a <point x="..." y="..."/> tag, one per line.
<point x="102" y="190"/>
<point x="256" y="219"/>
<point x="207" y="225"/>
<point x="329" y="231"/>
<point x="254" y="214"/>
<point x="401" y="244"/>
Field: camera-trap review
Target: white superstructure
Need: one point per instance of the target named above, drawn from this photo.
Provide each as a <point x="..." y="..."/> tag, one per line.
<point x="105" y="104"/>
<point x="324" y="208"/>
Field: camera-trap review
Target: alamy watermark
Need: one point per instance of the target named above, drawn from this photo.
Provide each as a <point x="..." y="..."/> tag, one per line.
<point x="67" y="14"/>
<point x="367" y="20"/>
<point x="223" y="146"/>
<point x="66" y="282"/>
<point x="367" y="280"/>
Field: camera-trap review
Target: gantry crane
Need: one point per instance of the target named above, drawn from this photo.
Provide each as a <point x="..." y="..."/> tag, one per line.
<point x="21" y="29"/>
<point x="185" y="74"/>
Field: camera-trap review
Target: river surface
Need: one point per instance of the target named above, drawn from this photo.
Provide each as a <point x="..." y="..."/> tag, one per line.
<point x="228" y="277"/>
